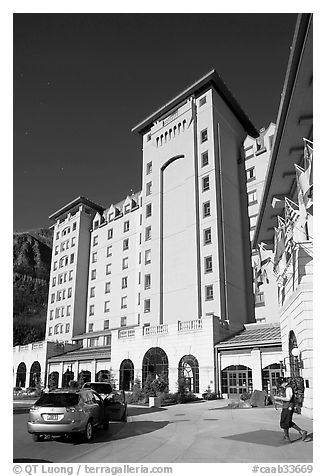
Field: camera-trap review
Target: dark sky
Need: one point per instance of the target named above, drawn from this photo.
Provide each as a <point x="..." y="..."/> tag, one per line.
<point x="82" y="81"/>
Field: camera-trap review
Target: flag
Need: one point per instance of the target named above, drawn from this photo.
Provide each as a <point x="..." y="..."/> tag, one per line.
<point x="263" y="260"/>
<point x="291" y="216"/>
<point x="279" y="245"/>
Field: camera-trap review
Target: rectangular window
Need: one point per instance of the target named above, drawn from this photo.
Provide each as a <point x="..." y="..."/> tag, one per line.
<point x="107" y="287"/>
<point x="91" y="310"/>
<point x="92" y="293"/>
<point x="209" y="292"/>
<point x="124" y="282"/>
<point x="110" y="233"/>
<point x="90" y="327"/>
<point x="126" y="226"/>
<point x="147" y="256"/>
<point x="72" y="258"/>
<point x="93" y="342"/>
<point x="147" y="281"/>
<point x="73" y="241"/>
<point x="58" y="295"/>
<point x="95" y="240"/>
<point x="204" y="158"/>
<point x="202" y="101"/>
<point x="93" y="274"/>
<point x="147" y="305"/>
<point x="253" y="222"/>
<point x="249" y="152"/>
<point x="125" y="263"/>
<point x="67" y="327"/>
<point x="259" y="299"/>
<point x="148" y="210"/>
<point x="149" y="168"/>
<point x="125" y="244"/>
<point x="51" y="315"/>
<point x="57" y="312"/>
<point x="203" y="136"/>
<point x="69" y="292"/>
<point x="205" y="183"/>
<point x="109" y="251"/>
<point x="74" y="226"/>
<point x="106" y="324"/>
<point x="56" y="250"/>
<point x="94" y="257"/>
<point x="58" y="235"/>
<point x="148" y="188"/>
<point x="206" y="209"/>
<point x="70" y="275"/>
<point x="108" y="268"/>
<point x="106" y="306"/>
<point x="123" y="302"/>
<point x="50" y="331"/>
<point x="68" y="310"/>
<point x="53" y="281"/>
<point x="55" y="265"/>
<point x="207" y="236"/>
<point x="123" y="321"/>
<point x="148" y="233"/>
<point x="252" y="197"/>
<point x="208" y="264"/>
<point x="107" y="340"/>
<point x="250" y="174"/>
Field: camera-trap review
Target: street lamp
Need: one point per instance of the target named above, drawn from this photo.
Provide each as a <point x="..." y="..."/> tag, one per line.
<point x="297" y="356"/>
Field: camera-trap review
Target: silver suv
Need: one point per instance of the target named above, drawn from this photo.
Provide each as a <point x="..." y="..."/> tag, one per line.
<point x="67" y="412"/>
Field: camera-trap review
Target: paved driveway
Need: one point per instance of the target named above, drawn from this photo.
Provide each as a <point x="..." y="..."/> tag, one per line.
<point x="204" y="432"/>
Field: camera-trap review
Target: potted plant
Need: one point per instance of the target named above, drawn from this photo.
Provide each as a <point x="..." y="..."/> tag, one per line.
<point x="154" y="388"/>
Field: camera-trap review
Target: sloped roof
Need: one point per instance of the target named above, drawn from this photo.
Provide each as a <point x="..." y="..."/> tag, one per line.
<point x="253" y="335"/>
<point x="86" y="353"/>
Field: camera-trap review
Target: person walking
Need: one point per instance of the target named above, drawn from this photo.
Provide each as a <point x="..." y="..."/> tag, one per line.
<point x="287" y="400"/>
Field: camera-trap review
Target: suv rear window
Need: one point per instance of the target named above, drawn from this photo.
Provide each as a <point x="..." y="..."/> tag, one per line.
<point x="99" y="387"/>
<point x="58" y="400"/>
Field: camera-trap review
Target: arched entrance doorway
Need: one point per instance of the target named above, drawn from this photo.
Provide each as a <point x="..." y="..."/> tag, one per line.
<point x="102" y="376"/>
<point x="53" y="380"/>
<point x="21" y="375"/>
<point x="126" y="375"/>
<point x="189" y="370"/>
<point x="66" y="377"/>
<point x="35" y="374"/>
<point x="270" y="378"/>
<point x="294" y="363"/>
<point x="155" y="363"/>
<point x="236" y="379"/>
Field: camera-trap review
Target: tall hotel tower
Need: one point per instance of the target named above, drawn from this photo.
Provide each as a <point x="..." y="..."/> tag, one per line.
<point x="150" y="284"/>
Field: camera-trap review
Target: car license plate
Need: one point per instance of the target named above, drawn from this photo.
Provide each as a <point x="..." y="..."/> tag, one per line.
<point x="52" y="417"/>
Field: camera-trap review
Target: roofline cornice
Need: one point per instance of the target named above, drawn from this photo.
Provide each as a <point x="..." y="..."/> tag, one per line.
<point x="209" y="79"/>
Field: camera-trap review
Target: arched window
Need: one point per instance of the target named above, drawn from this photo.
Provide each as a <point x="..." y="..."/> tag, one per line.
<point x="84" y="376"/>
<point x="179" y="127"/>
<point x="236" y="379"/>
<point x="126" y="375"/>
<point x="155" y="363"/>
<point x="189" y="370"/>
<point x="174" y="131"/>
<point x="184" y="124"/>
<point x="294" y="363"/>
<point x="270" y="376"/>
<point x="35" y="374"/>
<point x="21" y="375"/>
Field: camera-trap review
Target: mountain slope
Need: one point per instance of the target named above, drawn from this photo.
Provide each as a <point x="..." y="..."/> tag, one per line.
<point x="31" y="271"/>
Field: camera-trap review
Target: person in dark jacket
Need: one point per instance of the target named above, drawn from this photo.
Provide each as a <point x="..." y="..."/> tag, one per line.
<point x="287" y="400"/>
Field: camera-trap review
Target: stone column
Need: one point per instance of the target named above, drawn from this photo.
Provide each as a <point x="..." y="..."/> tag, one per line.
<point x="256" y="369"/>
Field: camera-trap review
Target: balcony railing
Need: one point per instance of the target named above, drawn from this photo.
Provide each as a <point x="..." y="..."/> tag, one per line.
<point x="190" y="325"/>
<point x="152" y="330"/>
<point x="123" y="334"/>
<point x="37" y="345"/>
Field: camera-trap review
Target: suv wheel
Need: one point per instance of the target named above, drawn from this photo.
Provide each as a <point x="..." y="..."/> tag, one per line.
<point x="88" y="431"/>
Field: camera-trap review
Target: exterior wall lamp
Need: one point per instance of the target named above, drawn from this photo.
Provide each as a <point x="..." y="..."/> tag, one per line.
<point x="297" y="357"/>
